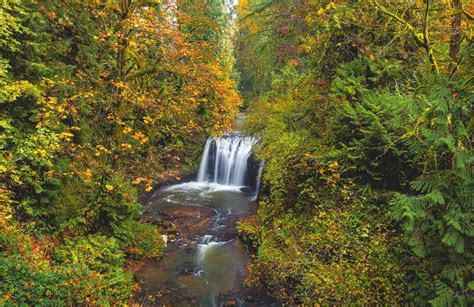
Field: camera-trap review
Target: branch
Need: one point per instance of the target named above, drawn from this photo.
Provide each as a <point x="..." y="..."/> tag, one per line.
<point x="425" y="23"/>
<point x="416" y="36"/>
<point x="422" y="39"/>
<point x="455" y="68"/>
<point x="426" y="39"/>
<point x="140" y="73"/>
<point x="469" y="16"/>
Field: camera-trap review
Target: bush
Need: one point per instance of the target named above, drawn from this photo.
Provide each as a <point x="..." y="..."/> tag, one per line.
<point x="249" y="230"/>
<point x="333" y="251"/>
<point x="83" y="270"/>
<point x="140" y="239"/>
<point x="26" y="282"/>
<point x="97" y="252"/>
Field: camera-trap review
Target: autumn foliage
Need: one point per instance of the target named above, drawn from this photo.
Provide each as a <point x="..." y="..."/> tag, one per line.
<point x="100" y="101"/>
<point x="364" y="109"/>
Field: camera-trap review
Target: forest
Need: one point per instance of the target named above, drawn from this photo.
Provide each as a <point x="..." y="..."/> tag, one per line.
<point x="363" y="112"/>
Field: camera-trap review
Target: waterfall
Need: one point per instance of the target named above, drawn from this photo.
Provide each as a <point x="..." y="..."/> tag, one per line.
<point x="224" y="159"/>
<point x="259" y="179"/>
<point x="202" y="176"/>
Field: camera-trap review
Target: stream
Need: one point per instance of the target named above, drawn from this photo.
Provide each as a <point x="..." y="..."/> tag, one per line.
<point x="205" y="262"/>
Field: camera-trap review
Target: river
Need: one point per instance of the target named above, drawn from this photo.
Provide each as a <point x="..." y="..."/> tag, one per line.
<point x="205" y="262"/>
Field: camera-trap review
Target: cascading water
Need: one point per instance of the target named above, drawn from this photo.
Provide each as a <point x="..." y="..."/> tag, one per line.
<point x="225" y="159"/>
<point x="206" y="262"/>
<point x="259" y="179"/>
<point x="202" y="176"/>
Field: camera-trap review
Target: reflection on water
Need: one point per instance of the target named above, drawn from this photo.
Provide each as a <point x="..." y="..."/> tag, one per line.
<point x="208" y="270"/>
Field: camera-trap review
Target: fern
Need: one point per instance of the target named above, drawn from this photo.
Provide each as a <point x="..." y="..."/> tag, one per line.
<point x="437" y="214"/>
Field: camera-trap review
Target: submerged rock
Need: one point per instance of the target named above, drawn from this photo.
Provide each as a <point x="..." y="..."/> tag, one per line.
<point x="190" y="221"/>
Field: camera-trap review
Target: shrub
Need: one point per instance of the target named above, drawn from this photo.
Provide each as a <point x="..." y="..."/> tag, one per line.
<point x="94" y="266"/>
<point x="248" y="228"/>
<point x="26" y="282"/>
<point x="140" y="239"/>
<point x="83" y="270"/>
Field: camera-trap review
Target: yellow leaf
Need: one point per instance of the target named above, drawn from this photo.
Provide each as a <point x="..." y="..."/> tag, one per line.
<point x="137" y="181"/>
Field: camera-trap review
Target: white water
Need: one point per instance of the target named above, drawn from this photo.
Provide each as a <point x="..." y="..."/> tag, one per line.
<point x="229" y="155"/>
<point x="205" y="187"/>
<point x="259" y="179"/>
<point x="205" y="249"/>
<point x="220" y="258"/>
<point x="202" y="176"/>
